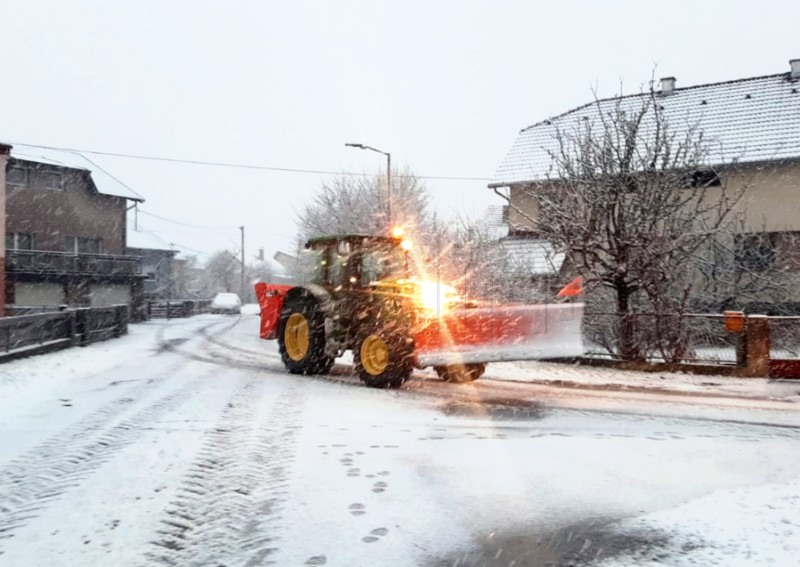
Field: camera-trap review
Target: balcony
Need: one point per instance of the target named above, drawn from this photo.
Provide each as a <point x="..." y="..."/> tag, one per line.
<point x="45" y="263"/>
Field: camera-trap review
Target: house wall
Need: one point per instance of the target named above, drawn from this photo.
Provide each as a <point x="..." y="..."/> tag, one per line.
<point x="157" y="266"/>
<point x="75" y="210"/>
<point x="4" y="151"/>
<point x="771" y="200"/>
<point x="770" y="203"/>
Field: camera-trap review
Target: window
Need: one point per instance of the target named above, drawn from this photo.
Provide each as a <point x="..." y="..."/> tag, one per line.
<point x="89" y="246"/>
<point x="53" y="181"/>
<point x="381" y="264"/>
<point x="19" y="241"/>
<point x="754" y="252"/>
<point x="17" y="175"/>
<point x="703" y="178"/>
<point x="338" y="263"/>
<point x="76" y="245"/>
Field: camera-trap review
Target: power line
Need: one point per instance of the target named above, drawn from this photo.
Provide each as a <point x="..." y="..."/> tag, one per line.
<point x="179" y="245"/>
<point x="109" y="174"/>
<point x="245" y="165"/>
<point x="187" y="224"/>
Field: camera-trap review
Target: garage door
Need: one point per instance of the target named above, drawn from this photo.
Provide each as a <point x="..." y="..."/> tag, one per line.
<point x="38" y="294"/>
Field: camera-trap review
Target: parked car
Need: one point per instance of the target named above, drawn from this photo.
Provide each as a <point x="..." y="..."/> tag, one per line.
<point x="226" y="303"/>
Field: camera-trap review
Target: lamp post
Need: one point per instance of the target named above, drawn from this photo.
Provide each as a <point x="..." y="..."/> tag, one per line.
<point x="388" y="176"/>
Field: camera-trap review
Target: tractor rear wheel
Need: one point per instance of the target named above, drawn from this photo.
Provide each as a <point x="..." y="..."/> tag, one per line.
<point x="301" y="337"/>
<point x="383" y="359"/>
<point x="460" y="373"/>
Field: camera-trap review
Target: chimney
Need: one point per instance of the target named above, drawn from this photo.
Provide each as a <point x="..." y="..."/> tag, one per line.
<point x="795" y="64"/>
<point x="667" y="86"/>
<point x="261" y="254"/>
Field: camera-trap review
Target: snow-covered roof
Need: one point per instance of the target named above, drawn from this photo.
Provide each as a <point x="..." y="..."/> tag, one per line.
<point x="531" y="256"/>
<point x="105" y="183"/>
<point x="746" y="120"/>
<point x="493" y="223"/>
<point x="146" y="239"/>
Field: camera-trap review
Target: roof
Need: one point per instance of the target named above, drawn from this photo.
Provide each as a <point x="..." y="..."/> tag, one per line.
<point x="146" y="240"/>
<point x="531" y="257"/>
<point x="746" y="120"/>
<point x="105" y="183"/>
<point x="335" y="237"/>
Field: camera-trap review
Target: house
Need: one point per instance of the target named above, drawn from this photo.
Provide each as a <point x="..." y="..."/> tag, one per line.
<point x="158" y="263"/>
<point x="65" y="233"/>
<point x="521" y="266"/>
<point x="753" y="123"/>
<point x="5" y="151"/>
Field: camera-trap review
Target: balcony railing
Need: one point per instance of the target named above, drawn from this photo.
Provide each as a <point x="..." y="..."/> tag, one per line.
<point x="43" y="262"/>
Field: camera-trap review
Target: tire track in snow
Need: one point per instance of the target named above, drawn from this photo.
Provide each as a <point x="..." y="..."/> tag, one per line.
<point x="228" y="507"/>
<point x="31" y="482"/>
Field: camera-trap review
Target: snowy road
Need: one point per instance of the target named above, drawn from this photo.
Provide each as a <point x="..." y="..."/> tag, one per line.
<point x="186" y="444"/>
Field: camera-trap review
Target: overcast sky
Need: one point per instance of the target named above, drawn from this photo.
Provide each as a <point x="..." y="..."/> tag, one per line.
<point x="443" y="86"/>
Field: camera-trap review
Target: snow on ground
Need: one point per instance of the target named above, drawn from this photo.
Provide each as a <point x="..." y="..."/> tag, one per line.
<point x="186" y="443"/>
<point x="746" y="527"/>
<point x="598" y="377"/>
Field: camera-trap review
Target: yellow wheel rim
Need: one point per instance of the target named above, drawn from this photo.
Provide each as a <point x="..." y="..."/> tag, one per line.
<point x="295" y="337"/>
<point x="374" y="355"/>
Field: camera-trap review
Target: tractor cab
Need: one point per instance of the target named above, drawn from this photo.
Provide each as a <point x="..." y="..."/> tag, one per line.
<point x="353" y="261"/>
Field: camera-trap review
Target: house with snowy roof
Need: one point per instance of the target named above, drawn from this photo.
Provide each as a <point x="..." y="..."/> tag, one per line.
<point x="752" y="123"/>
<point x="157" y="260"/>
<point x="65" y="232"/>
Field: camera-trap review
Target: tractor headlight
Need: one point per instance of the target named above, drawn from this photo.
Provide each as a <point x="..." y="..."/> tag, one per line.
<point x="436" y="296"/>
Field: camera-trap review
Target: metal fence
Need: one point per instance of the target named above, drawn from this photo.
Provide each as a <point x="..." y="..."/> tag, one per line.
<point x="177" y="308"/>
<point x="63" y="328"/>
<point x="674" y="338"/>
<point x="784" y="337"/>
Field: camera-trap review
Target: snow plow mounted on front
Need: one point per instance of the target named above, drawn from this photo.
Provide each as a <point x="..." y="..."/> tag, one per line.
<point x="361" y="297"/>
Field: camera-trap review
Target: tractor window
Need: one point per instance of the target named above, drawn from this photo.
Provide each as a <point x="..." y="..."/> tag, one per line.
<point x="338" y="263"/>
<point x="377" y="265"/>
<point x="312" y="266"/>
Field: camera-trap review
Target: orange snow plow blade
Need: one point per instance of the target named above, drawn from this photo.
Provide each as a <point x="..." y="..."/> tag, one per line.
<point x="491" y="334"/>
<point x="270" y="300"/>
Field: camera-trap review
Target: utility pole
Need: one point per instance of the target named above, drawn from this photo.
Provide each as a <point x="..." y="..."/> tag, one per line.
<point x="242" y="294"/>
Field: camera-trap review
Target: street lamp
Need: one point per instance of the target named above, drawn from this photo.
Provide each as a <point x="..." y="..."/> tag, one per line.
<point x="388" y="175"/>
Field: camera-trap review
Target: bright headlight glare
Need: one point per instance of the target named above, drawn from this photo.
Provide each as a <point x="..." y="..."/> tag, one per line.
<point x="435" y="296"/>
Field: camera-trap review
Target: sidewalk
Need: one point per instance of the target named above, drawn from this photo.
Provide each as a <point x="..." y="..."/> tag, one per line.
<point x="677" y="383"/>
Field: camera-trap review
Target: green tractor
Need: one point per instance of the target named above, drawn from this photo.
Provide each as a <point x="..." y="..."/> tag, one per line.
<point x="361" y="296"/>
<point x="358" y="297"/>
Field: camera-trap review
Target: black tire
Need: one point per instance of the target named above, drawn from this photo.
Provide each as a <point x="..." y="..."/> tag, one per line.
<point x="315" y="361"/>
<point x="460" y="373"/>
<point x="400" y="361"/>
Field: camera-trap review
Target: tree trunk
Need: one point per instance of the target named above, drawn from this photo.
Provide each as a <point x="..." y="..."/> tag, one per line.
<point x="626" y="325"/>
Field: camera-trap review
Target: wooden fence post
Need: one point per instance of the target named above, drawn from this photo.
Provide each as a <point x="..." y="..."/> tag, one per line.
<point x="757" y="338"/>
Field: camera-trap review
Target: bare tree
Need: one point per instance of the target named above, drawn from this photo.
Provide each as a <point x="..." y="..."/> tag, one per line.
<point x="633" y="201"/>
<point x="358" y="204"/>
<point x="222" y="273"/>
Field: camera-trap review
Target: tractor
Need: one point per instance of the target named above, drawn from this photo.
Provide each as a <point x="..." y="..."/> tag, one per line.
<point x="361" y="295"/>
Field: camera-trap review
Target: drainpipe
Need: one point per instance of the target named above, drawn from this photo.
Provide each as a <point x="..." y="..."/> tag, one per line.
<point x="5" y="151"/>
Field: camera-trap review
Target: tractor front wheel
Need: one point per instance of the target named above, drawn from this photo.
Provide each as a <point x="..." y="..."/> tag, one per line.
<point x="460" y="373"/>
<point x="301" y="337"/>
<point x="383" y="360"/>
